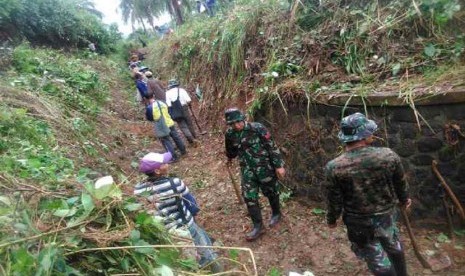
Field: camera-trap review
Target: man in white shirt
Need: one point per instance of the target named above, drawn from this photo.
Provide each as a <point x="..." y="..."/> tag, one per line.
<point x="178" y="100"/>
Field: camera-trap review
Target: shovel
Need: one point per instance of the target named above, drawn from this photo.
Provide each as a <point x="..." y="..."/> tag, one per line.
<point x="435" y="262"/>
<point x="196" y="122"/>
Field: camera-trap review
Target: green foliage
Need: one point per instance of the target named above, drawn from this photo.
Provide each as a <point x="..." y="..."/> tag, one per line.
<point x="274" y="272"/>
<point x="199" y="184"/>
<point x="50" y="258"/>
<point x="233" y="254"/>
<point x="440" y="10"/>
<point x="318" y="211"/>
<point x="285" y="196"/>
<point x="59" y="24"/>
<point x="6" y="8"/>
<point x="26" y="147"/>
<point x="310" y="16"/>
<point x="443" y="238"/>
<point x="283" y="69"/>
<point x="60" y="76"/>
<point x="275" y="47"/>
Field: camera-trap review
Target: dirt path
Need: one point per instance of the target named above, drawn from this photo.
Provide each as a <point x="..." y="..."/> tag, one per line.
<point x="302" y="242"/>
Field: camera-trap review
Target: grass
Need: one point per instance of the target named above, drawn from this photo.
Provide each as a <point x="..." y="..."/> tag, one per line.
<point x="341" y="49"/>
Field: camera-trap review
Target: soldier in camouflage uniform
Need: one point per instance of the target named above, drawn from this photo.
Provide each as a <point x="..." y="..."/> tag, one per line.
<point x="261" y="166"/>
<point x="365" y="185"/>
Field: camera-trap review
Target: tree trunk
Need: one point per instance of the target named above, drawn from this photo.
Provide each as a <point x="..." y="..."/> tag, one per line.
<point x="177" y="11"/>
<point x="150" y="19"/>
<point x="141" y="20"/>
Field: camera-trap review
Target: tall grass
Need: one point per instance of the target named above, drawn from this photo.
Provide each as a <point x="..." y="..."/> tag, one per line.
<point x="339" y="46"/>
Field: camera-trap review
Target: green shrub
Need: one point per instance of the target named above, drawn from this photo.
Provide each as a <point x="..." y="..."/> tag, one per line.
<point x="63" y="76"/>
<point x="57" y="24"/>
<point x="26" y="148"/>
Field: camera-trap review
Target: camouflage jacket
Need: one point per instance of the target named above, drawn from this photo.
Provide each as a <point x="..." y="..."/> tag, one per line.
<point x="254" y="146"/>
<point x="364" y="182"/>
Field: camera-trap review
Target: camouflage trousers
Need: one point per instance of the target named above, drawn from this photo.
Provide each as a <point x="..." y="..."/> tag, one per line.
<point x="255" y="179"/>
<point x="375" y="240"/>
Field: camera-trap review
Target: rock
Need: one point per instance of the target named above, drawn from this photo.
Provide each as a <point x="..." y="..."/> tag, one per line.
<point x="427" y="272"/>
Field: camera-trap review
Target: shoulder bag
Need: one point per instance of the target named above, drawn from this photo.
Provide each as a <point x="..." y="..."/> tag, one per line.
<point x="176" y="111"/>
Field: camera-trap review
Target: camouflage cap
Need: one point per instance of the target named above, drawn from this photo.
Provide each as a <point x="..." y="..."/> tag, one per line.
<point x="356" y="127"/>
<point x="233" y="115"/>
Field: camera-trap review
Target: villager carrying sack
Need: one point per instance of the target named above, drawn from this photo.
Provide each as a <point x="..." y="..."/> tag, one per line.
<point x="176" y="111"/>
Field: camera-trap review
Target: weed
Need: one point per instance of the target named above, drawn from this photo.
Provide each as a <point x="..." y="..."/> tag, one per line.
<point x="285" y="196"/>
<point x="199" y="184"/>
<point x="274" y="272"/>
<point x="318" y="211"/>
<point x="60" y="76"/>
<point x="27" y="148"/>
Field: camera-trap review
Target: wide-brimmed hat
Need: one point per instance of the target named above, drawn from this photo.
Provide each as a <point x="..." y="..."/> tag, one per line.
<point x="356" y="127"/>
<point x="153" y="161"/>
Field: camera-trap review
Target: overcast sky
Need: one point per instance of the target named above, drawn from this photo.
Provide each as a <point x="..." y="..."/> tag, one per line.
<point x="111" y="14"/>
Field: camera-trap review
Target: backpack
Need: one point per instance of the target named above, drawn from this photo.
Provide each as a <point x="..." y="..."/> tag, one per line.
<point x="176" y="111"/>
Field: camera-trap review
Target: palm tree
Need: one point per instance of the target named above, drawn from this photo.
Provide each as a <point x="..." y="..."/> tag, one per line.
<point x="177" y="12"/>
<point x="130" y="12"/>
<point x="86" y="5"/>
<point x="140" y="10"/>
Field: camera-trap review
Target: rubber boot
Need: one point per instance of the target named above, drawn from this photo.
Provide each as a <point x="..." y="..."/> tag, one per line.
<point x="399" y="264"/>
<point x="275" y="210"/>
<point x="194" y="143"/>
<point x="390" y="272"/>
<point x="258" y="229"/>
<point x="215" y="267"/>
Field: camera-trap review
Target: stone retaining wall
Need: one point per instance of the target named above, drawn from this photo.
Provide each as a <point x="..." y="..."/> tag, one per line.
<point x="418" y="134"/>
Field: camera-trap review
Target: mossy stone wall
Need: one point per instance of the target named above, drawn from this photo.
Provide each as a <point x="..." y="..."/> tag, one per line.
<point x="420" y="134"/>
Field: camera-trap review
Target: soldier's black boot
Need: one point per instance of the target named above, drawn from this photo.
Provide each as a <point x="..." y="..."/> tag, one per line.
<point x="256" y="232"/>
<point x="258" y="229"/>
<point x="275" y="209"/>
<point x="390" y="272"/>
<point x="399" y="264"/>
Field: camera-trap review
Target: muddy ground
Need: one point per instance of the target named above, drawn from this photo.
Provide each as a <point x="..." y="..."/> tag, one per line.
<point x="301" y="242"/>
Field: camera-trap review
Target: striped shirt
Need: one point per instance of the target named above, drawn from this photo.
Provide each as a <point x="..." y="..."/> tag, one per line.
<point x="160" y="192"/>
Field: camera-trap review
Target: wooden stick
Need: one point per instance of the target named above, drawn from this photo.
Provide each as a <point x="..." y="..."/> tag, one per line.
<point x="196" y="122"/>
<point x="416" y="249"/>
<point x="450" y="226"/>
<point x="449" y="191"/>
<point x="235" y="184"/>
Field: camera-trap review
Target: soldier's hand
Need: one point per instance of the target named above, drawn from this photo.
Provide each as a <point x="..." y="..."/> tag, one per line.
<point x="407" y="204"/>
<point x="280" y="173"/>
